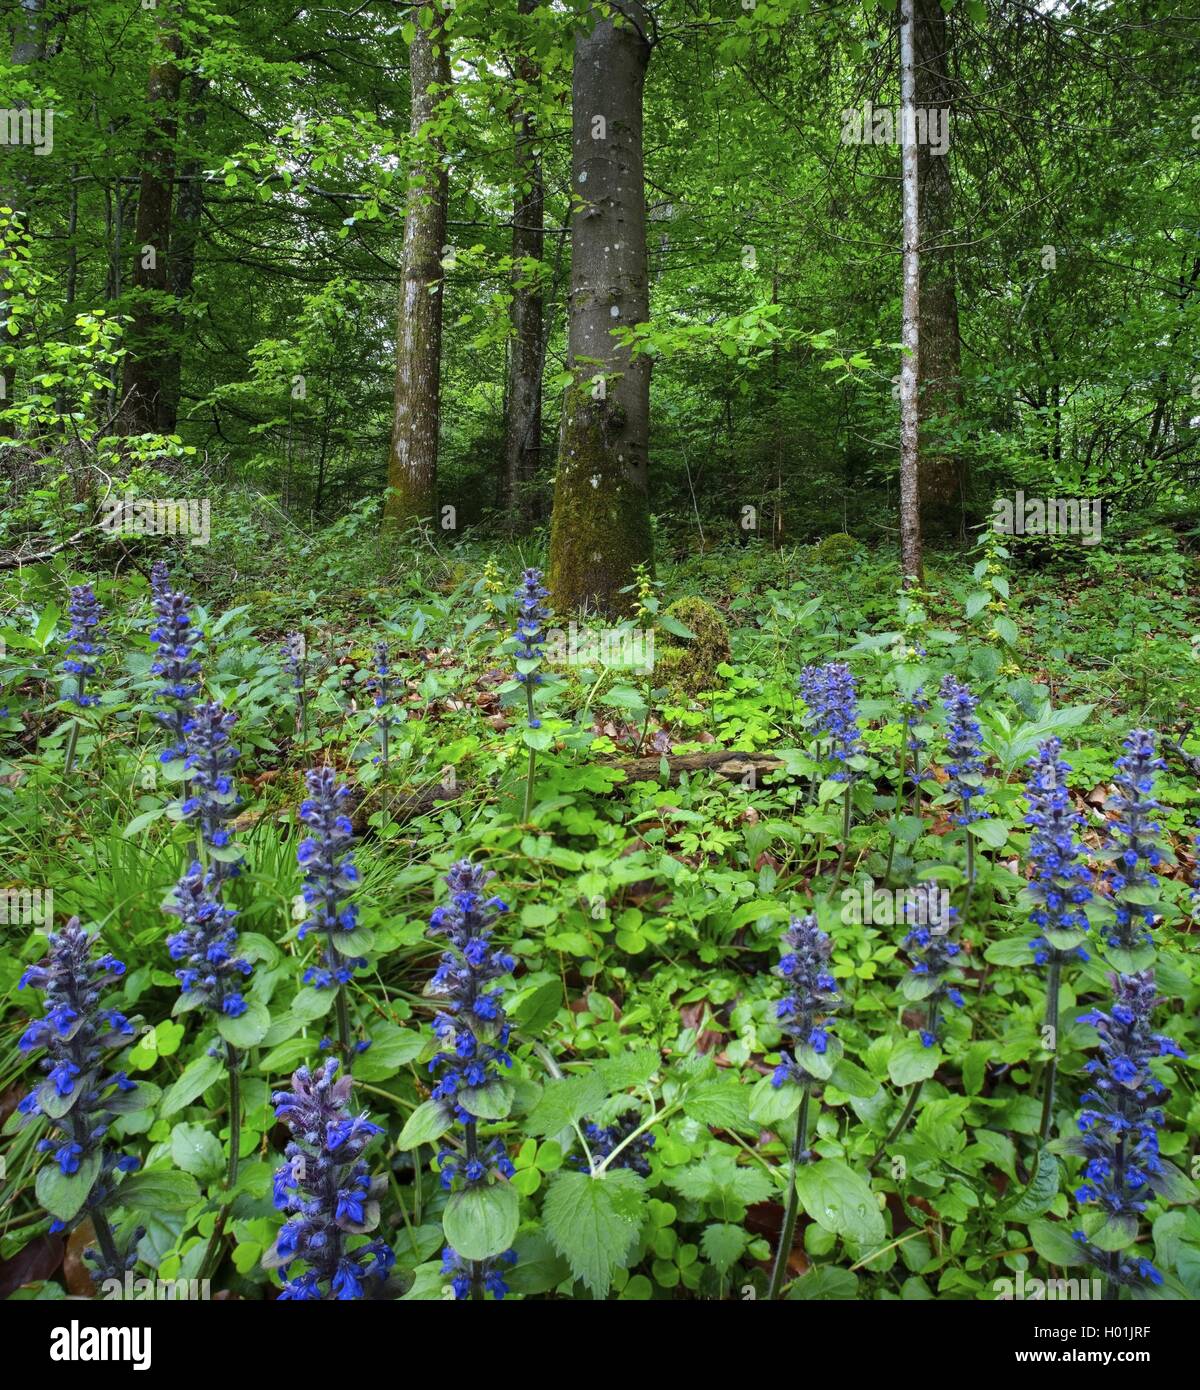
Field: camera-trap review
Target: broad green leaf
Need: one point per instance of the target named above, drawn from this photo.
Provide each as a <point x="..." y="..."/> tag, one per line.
<point x="594" y="1222"/>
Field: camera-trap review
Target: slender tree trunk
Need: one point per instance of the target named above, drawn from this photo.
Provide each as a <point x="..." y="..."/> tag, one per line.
<point x="910" y="498"/>
<point x="412" y="462"/>
<point x="939" y="369"/>
<point x="148" y="341"/>
<point x="523" y="418"/>
<point x="600" y="528"/>
<point x="185" y="233"/>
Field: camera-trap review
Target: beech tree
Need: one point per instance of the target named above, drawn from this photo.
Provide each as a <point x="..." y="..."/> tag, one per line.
<point x="600" y="526"/>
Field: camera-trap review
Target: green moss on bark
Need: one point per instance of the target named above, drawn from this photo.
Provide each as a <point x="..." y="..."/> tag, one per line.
<point x="600" y="526"/>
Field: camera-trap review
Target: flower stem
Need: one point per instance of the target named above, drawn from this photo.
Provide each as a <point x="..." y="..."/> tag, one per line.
<point x="906" y="1114"/>
<point x="1051" y="1023"/>
<point x="343" y="1025"/>
<point x="791" y="1212"/>
<point x="235" y="1114"/>
<point x="529" y="775"/>
<point x="847" y="813"/>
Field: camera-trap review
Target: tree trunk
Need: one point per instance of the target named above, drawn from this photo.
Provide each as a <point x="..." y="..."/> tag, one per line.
<point x="412" y="462"/>
<point x="600" y="528"/>
<point x="523" y="418"/>
<point x="940" y="365"/>
<point x="148" y="341"/>
<point x="185" y="233"/>
<point x="910" y="496"/>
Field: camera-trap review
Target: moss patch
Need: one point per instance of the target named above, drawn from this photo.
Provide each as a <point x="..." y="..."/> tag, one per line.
<point x="689" y="667"/>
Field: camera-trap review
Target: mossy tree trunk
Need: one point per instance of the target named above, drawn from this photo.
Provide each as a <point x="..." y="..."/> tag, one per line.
<point x="412" y="459"/>
<point x="939" y="369"/>
<point x="523" y="416"/>
<point x="600" y="528"/>
<point x="146" y="387"/>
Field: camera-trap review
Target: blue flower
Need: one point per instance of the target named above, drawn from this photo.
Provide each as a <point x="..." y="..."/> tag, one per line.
<point x="327" y="1190"/>
<point x="175" y="661"/>
<point x="932" y="953"/>
<point x="964" y="750"/>
<point x="1118" y="1128"/>
<point x="1133" y="848"/>
<point x="832" y="699"/>
<point x="292" y="654"/>
<point x="1061" y="882"/>
<point x="212" y="799"/>
<point x="330" y="876"/>
<point x="83" y="643"/>
<point x="207" y="941"/>
<point x="385" y="686"/>
<point x="488" y="1273"/>
<point x="472" y="1029"/>
<point x="812" y="995"/>
<point x="603" y="1140"/>
<point x="73" y="981"/>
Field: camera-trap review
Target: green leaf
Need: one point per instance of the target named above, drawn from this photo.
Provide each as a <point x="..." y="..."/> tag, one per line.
<point x="1055" y="1244"/>
<point x="248" y="1029"/>
<point x="490" y="1102"/>
<point x="426" y="1123"/>
<point x="563" y="1102"/>
<point x="993" y="833"/>
<point x="197" y="1150"/>
<point x="197" y="1077"/>
<point x="534" y="1014"/>
<point x="391" y="1048"/>
<point x="771" y="1105"/>
<point x="139" y="823"/>
<point x="61" y="1194"/>
<point x="158" y="1190"/>
<point x="539" y="1268"/>
<point x="853" y="1080"/>
<point x="594" y="1222"/>
<point x="724" y="1245"/>
<point x="912" y="1061"/>
<point x="839" y="1199"/>
<point x="480" y="1222"/>
<point x="721" y="1103"/>
<point x="1039" y="1193"/>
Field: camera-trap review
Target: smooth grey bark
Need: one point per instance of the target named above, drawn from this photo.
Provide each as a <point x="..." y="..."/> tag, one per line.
<point x="416" y="415"/>
<point x="939" y="369"/>
<point x="600" y="527"/>
<point x="523" y="413"/>
<point x="910" y="496"/>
